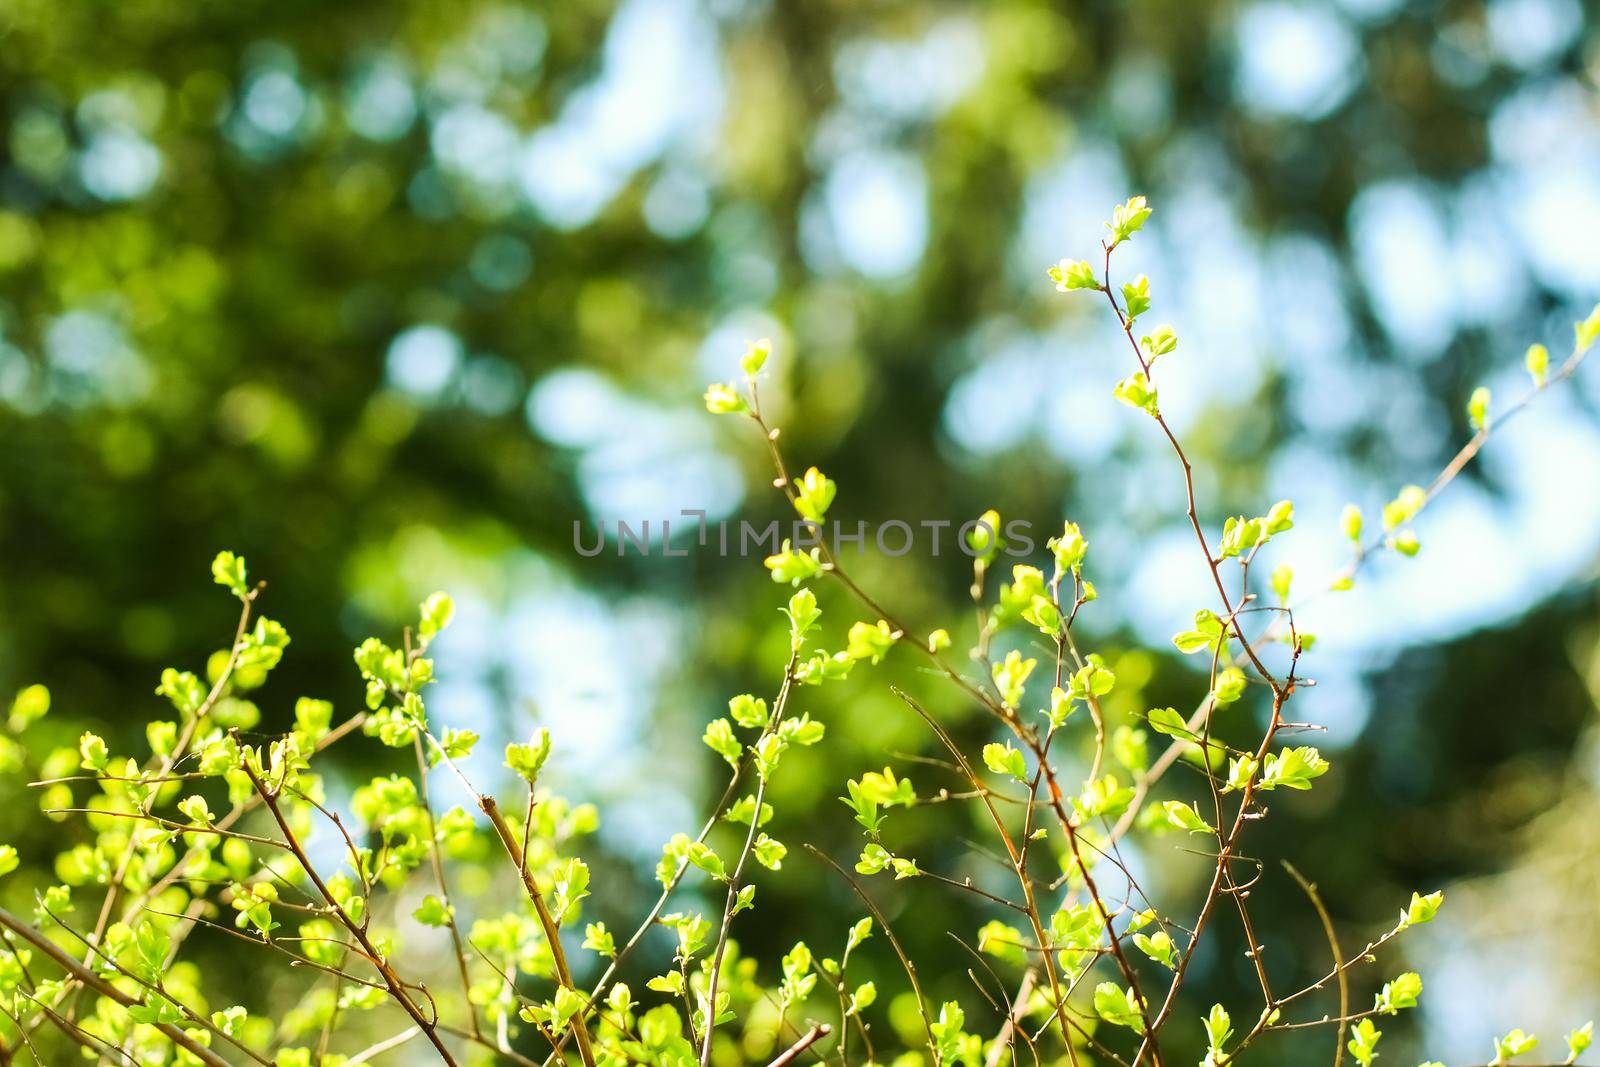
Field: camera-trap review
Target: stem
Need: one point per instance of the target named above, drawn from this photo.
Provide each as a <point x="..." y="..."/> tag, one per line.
<point x="552" y="932"/>
<point x="390" y="979"/>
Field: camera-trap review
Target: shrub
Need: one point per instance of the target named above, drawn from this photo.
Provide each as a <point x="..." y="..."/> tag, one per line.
<point x="213" y="831"/>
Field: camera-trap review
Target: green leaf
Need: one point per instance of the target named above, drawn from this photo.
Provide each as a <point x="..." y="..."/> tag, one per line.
<point x="1282" y="579"/>
<point x="1127" y="218"/>
<point x="1137" y="391"/>
<point x="1159" y="343"/>
<point x="1588" y="331"/>
<point x="1230" y="686"/>
<point x="814" y="493"/>
<point x="1516" y="1043"/>
<point x="863" y="997"/>
<point x="1579" y="1041"/>
<point x="195" y="809"/>
<point x="719" y="738"/>
<point x="527" y="760"/>
<point x="436" y="613"/>
<point x="1241" y="772"/>
<point x="861" y="801"/>
<point x="1118" y="1006"/>
<point x="433" y="912"/>
<point x="1240" y="535"/>
<point x="1011" y="675"/>
<point x="1404" y="507"/>
<point x="745" y="900"/>
<point x="1401" y="992"/>
<point x="458" y="744"/>
<point x="769" y="852"/>
<point x="1208" y="633"/>
<point x="8" y="859"/>
<point x="92" y="749"/>
<point x="1350" y="522"/>
<point x="702" y="856"/>
<point x="755" y="356"/>
<point x="1103" y="796"/>
<point x="1060" y="709"/>
<point x="571" y="886"/>
<point x="1293" y="768"/>
<point x="1478" y="408"/>
<point x="670" y="983"/>
<point x="887" y="789"/>
<point x="1537" y="361"/>
<point x="1044" y="614"/>
<point x="1279" y="518"/>
<point x="1136" y="297"/>
<point x="1002" y="941"/>
<point x="870" y="642"/>
<point x="724" y="399"/>
<point x="1070" y="274"/>
<point x="1422" y="909"/>
<point x="228" y="571"/>
<point x="803" y="615"/>
<point x="1159" y="947"/>
<point x="791" y="567"/>
<point x="1219" y="1028"/>
<point x="748" y="711"/>
<point x="1093" y="679"/>
<point x="30" y="705"/>
<point x="1184" y="817"/>
<point x="1363" y="1044"/>
<point x="1169" y="721"/>
<point x="596" y="938"/>
<point x="1004" y="759"/>
<point x="152" y="944"/>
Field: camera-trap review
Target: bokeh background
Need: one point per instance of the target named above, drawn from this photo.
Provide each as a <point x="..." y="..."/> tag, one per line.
<point x="386" y="296"/>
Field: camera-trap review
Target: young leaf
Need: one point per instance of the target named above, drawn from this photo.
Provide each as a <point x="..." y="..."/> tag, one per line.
<point x="1118" y="1006"/>
<point x="1072" y="274"/>
<point x="1184" y="817"/>
<point x="1363" y="1044"/>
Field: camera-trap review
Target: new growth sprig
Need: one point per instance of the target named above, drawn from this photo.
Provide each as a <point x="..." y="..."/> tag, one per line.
<point x="468" y="934"/>
<point x="1094" y="965"/>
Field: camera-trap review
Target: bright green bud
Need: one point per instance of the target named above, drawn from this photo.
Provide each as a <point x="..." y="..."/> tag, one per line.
<point x="228" y="570"/>
<point x="1136" y="296"/>
<point x="814" y="493"/>
<point x="1538" y="363"/>
<point x="527" y="760"/>
<point x="1404" y="507"/>
<point x="1159" y="343"/>
<point x="1282" y="576"/>
<point x="794" y="567"/>
<point x="1127" y="218"/>
<point x="1136" y="391"/>
<point x="1478" y="408"/>
<point x="868" y="641"/>
<point x="436" y="613"/>
<point x="31" y="704"/>
<point x="92" y="747"/>
<point x="1072" y="274"/>
<point x="1350" y="522"/>
<point x="1069" y="549"/>
<point x="724" y="399"/>
<point x="755" y="357"/>
<point x="1588" y="331"/>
